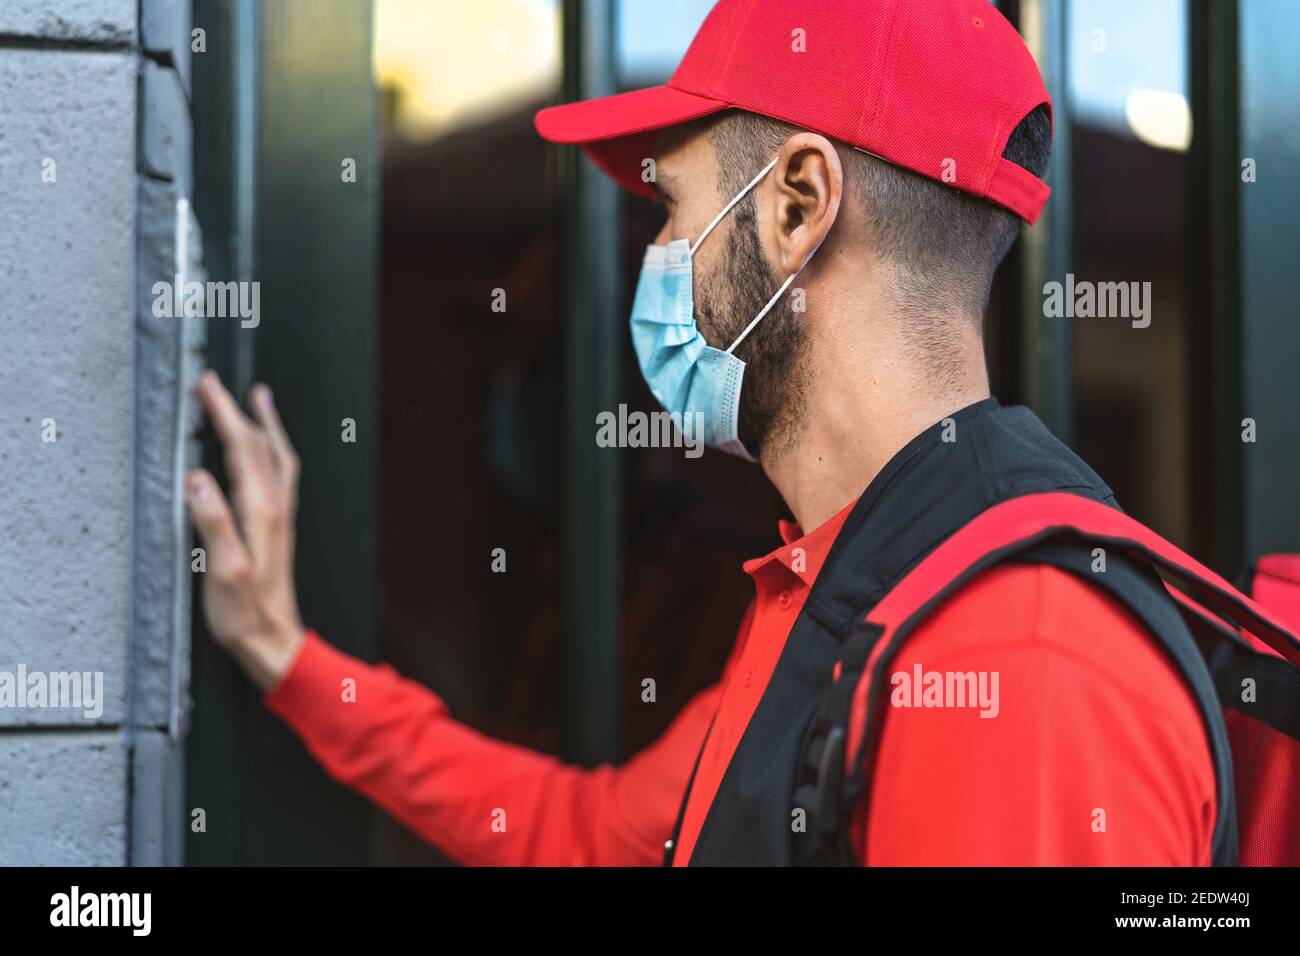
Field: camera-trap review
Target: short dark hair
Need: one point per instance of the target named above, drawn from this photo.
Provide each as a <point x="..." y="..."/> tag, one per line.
<point x="944" y="243"/>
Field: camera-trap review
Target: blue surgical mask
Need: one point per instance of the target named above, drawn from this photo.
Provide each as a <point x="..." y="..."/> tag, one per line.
<point x="686" y="375"/>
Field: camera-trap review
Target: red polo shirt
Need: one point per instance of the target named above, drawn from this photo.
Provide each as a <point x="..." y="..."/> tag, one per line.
<point x="1096" y="754"/>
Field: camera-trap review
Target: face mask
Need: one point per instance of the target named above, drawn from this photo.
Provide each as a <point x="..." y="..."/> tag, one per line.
<point x="686" y="375"/>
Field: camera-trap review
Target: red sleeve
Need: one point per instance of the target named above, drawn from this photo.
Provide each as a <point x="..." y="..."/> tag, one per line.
<point x="483" y="801"/>
<point x="1097" y="754"/>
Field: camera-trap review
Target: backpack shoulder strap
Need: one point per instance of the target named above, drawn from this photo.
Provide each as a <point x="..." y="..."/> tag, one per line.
<point x="1015" y="526"/>
<point x="840" y="747"/>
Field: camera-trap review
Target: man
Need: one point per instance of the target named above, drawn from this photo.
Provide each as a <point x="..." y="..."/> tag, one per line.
<point x="841" y="180"/>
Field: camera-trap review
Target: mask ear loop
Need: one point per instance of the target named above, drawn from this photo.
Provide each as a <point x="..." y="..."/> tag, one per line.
<point x="732" y="205"/>
<point x="773" y="301"/>
<point x="713" y="225"/>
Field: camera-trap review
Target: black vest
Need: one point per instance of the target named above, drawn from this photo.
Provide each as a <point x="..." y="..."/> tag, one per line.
<point x="928" y="491"/>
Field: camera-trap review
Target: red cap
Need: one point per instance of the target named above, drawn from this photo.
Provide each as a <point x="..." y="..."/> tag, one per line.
<point x="936" y="86"/>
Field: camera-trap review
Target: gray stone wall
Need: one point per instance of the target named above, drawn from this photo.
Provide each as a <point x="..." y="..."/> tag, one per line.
<point x="95" y="424"/>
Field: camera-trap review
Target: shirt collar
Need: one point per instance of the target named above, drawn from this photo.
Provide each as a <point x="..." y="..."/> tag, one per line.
<point x="802" y="554"/>
<point x="815" y="547"/>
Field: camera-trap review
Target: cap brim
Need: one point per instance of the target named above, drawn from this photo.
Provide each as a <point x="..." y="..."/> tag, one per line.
<point x="618" y="132"/>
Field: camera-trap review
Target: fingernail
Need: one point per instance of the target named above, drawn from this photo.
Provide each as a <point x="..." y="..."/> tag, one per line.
<point x="199" y="488"/>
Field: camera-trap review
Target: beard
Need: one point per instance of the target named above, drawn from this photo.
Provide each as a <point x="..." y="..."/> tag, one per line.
<point x="775" y="353"/>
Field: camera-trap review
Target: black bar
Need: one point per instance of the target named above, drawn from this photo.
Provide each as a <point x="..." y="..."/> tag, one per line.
<point x="1047" y="246"/>
<point x="979" y="908"/>
<point x="593" y="358"/>
<point x="295" y="94"/>
<point x="1214" y="285"/>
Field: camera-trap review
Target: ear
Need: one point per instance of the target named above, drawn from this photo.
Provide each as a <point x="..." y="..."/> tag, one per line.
<point x="808" y="184"/>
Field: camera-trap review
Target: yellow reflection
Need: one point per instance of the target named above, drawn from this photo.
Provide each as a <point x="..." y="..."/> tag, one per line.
<point x="1160" y="119"/>
<point x="449" y="63"/>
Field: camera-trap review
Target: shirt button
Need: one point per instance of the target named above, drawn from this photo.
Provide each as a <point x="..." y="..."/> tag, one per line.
<point x="749" y="678"/>
<point x="783" y="599"/>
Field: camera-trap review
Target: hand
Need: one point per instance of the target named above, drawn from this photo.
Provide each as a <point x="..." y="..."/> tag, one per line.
<point x="248" y="590"/>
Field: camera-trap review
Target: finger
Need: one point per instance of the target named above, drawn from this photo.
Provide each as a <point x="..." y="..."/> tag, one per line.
<point x="213" y="519"/>
<point x="229" y="421"/>
<point x="246" y="448"/>
<point x="268" y="417"/>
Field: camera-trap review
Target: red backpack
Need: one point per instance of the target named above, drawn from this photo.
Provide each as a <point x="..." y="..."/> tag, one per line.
<point x="1249" y="656"/>
<point x="1266" y="755"/>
